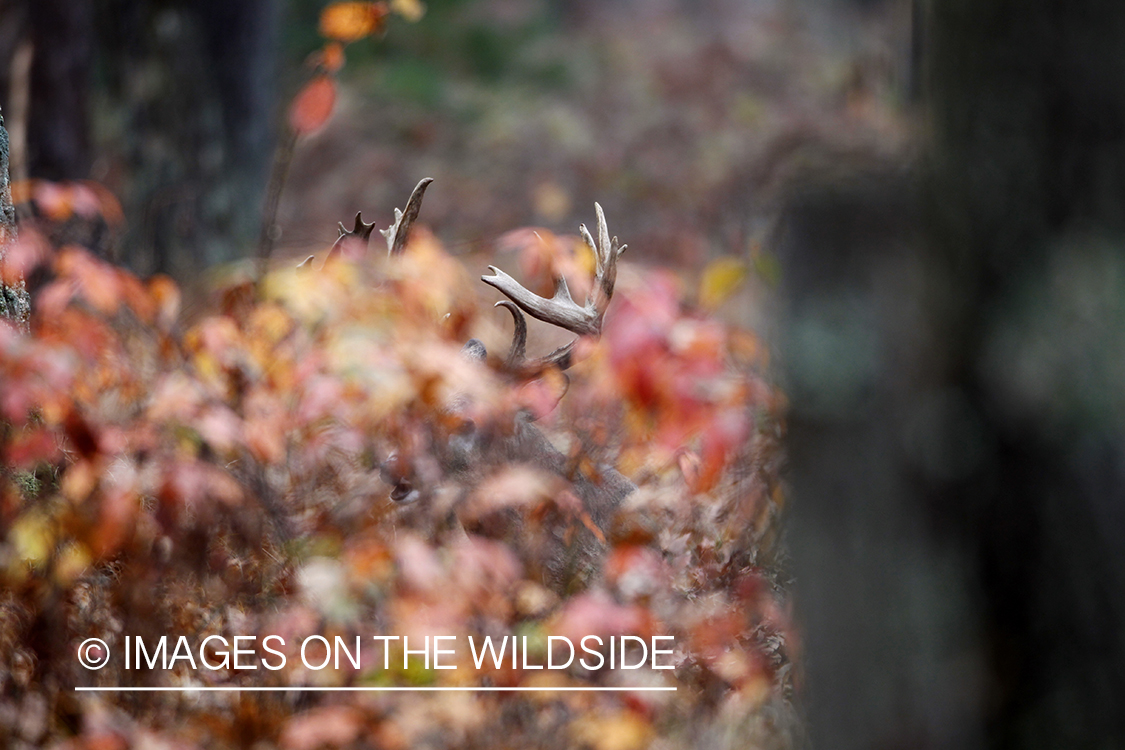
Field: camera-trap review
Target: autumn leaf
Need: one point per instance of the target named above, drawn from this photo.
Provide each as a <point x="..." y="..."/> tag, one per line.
<point x="54" y="200"/>
<point x="619" y="731"/>
<point x="721" y="279"/>
<point x="23" y="256"/>
<point x="411" y="10"/>
<point x="32" y="537"/>
<point x="166" y="296"/>
<point x="328" y="725"/>
<point x="332" y="57"/>
<point x="31" y="446"/>
<point x="22" y="190"/>
<point x="108" y="205"/>
<point x="313" y="105"/>
<point x="347" y="22"/>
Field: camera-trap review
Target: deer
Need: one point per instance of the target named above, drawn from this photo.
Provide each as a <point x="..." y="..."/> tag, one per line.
<point x="576" y="549"/>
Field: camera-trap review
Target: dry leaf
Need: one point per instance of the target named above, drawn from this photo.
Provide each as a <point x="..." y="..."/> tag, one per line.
<point x="331" y="726"/>
<point x="621" y="731"/>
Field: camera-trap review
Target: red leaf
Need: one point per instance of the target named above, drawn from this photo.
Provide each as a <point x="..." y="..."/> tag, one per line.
<point x="313" y="105"/>
<point x="32" y="446"/>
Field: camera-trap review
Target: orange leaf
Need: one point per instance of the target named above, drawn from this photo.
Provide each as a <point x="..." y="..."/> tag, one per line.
<point x="313" y="105"/>
<point x="108" y="205"/>
<point x="167" y="297"/>
<point x="333" y="57"/>
<point x="348" y="22"/>
<point x="22" y="190"/>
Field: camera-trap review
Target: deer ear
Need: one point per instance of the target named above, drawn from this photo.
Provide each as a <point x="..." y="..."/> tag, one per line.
<point x="474" y="350"/>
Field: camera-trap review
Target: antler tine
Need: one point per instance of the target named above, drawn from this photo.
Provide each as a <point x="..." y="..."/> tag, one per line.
<point x="561" y="310"/>
<point x="399" y="232"/>
<point x="516" y="354"/>
<point x="396" y="234"/>
<point x="606" y="253"/>
<point x="361" y="231"/>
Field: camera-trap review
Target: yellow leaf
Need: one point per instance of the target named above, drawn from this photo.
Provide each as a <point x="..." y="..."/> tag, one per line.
<point x="720" y="279"/>
<point x="33" y="537"/>
<point x="79" y="481"/>
<point x="411" y="10"/>
<point x="73" y="561"/>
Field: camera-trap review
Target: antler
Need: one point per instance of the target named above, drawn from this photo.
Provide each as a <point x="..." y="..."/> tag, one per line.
<point x="398" y="232"/>
<point x="561" y="310"/>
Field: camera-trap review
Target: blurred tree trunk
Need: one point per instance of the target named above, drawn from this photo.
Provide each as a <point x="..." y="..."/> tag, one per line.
<point x="191" y="84"/>
<point x="955" y="339"/>
<point x="1027" y="216"/>
<point x="174" y="98"/>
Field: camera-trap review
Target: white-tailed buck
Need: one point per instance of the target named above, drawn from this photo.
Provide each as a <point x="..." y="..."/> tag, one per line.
<point x="471" y="453"/>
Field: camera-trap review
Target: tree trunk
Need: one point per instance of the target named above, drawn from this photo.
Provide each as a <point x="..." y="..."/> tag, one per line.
<point x="167" y="103"/>
<point x="14" y="305"/>
<point x="955" y="346"/>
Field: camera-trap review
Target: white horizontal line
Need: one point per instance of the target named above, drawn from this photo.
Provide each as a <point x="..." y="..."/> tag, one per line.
<point x="225" y="689"/>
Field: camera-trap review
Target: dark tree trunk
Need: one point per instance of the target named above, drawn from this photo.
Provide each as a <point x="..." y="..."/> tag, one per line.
<point x="179" y="97"/>
<point x="956" y="341"/>
<point x="196" y="145"/>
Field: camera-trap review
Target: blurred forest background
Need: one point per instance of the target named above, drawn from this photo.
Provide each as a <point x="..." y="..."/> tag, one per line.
<point x="928" y="202"/>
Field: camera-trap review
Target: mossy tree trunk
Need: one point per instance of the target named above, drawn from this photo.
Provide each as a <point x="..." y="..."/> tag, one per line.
<point x="13" y="299"/>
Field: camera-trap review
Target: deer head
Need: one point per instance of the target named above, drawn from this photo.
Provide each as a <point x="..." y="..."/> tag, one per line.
<point x="467" y="452"/>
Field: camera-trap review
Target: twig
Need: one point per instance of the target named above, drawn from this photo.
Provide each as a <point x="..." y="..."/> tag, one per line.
<point x="278" y="174"/>
<point x="18" y="105"/>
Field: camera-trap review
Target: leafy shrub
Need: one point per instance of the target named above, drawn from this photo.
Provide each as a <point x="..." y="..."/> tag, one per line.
<point x="222" y="477"/>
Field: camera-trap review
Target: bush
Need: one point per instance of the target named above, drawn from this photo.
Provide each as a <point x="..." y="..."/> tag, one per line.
<point x="222" y="477"/>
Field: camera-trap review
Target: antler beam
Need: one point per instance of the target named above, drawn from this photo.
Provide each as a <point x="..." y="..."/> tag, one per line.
<point x="561" y="310"/>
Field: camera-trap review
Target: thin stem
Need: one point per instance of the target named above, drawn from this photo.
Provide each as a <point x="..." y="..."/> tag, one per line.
<point x="278" y="174"/>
